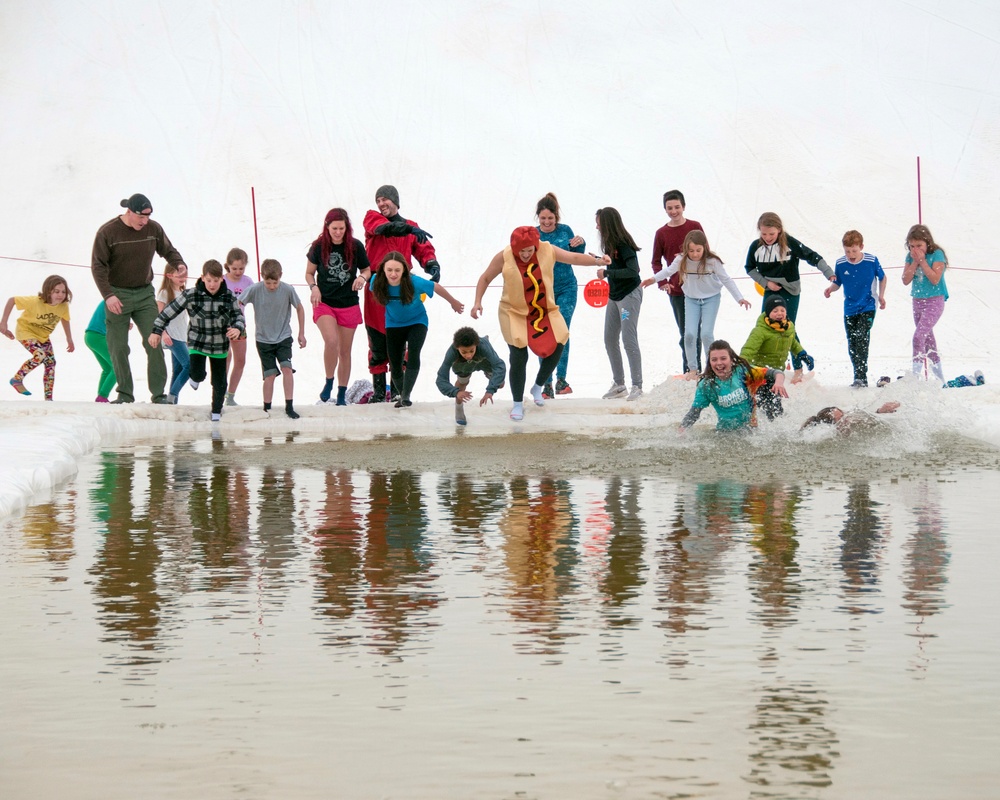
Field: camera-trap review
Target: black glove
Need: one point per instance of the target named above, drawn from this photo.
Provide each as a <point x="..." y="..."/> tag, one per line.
<point x="397" y="228"/>
<point x="420" y="233"/>
<point x="433" y="269"/>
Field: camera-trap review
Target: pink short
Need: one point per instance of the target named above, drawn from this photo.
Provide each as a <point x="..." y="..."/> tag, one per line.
<point x="349" y="317"/>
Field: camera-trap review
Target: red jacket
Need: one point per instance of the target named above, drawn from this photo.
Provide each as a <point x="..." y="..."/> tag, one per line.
<point x="377" y="247"/>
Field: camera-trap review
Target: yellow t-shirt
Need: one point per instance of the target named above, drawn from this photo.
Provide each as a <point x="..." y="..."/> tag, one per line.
<point x="39" y="319"/>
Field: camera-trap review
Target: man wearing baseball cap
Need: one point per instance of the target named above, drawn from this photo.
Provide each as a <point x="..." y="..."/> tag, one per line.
<point x="122" y="265"/>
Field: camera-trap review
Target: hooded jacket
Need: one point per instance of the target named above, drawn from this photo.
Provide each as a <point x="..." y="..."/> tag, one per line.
<point x="209" y="316"/>
<point x="770" y="342"/>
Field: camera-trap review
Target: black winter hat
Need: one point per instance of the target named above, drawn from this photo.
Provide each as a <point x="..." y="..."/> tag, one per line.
<point x="773" y="302"/>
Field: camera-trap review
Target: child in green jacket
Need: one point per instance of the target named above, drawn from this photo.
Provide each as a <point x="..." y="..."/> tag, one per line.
<point x="773" y="338"/>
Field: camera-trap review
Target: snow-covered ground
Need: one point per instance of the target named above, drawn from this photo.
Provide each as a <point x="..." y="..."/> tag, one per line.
<point x="816" y="111"/>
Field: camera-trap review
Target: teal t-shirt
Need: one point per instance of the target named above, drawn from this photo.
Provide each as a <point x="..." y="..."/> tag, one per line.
<point x="400" y="315"/>
<point x="730" y="398"/>
<point x="921" y="285"/>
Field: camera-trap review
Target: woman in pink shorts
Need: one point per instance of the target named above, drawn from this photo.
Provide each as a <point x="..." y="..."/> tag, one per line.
<point x="336" y="269"/>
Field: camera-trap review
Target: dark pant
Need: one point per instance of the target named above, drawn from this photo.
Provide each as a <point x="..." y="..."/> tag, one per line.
<point x="400" y="342"/>
<point x="677" y="304"/>
<point x="519" y="369"/>
<point x="139" y="306"/>
<point x="858" y="329"/>
<point x="378" y="355"/>
<point x="219" y="382"/>
<point x="768" y="401"/>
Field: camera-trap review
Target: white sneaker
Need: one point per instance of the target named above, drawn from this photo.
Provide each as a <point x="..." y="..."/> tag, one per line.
<point x="216" y="417"/>
<point x="635" y="394"/>
<point x="616" y="391"/>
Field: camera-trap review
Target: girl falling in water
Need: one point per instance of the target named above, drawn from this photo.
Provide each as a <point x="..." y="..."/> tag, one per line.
<point x="40" y="315"/>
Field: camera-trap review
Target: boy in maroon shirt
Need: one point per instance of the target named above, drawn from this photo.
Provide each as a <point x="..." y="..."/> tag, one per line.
<point x="667" y="245"/>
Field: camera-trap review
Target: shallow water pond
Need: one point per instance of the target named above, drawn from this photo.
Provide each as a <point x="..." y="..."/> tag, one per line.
<point x="179" y="625"/>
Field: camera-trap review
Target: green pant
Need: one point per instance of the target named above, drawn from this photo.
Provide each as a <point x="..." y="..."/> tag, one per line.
<point x="139" y="306"/>
<point x="98" y="344"/>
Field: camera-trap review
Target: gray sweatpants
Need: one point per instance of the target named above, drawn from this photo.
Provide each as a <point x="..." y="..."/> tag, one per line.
<point x="621" y="320"/>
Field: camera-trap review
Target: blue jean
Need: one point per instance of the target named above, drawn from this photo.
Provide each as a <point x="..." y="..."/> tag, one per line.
<point x="566" y="296"/>
<point x="701" y="314"/>
<point x="181" y="366"/>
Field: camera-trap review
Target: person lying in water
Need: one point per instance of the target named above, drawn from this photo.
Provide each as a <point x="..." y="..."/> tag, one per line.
<point x="850" y="421"/>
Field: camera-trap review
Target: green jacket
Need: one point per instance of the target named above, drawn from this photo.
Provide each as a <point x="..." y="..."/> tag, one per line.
<point x="768" y="346"/>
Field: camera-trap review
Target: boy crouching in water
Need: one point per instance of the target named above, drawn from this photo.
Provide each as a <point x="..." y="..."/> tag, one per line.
<point x="469" y="353"/>
<point x="273" y="301"/>
<point x="214" y="320"/>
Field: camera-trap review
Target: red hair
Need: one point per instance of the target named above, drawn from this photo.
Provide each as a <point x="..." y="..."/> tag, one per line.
<point x="325" y="242"/>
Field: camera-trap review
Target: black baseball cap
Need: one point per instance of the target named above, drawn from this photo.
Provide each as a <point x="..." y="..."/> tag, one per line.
<point x="137" y="204"/>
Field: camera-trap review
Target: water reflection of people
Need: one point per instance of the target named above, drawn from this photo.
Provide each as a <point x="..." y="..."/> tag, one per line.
<point x="471" y="504"/>
<point x="219" y="505"/>
<point x="276" y="527"/>
<point x="398" y="562"/>
<point x="700" y="532"/>
<point x="49" y="528"/>
<point x="537" y="528"/>
<point x="624" y="577"/>
<point x="860" y="537"/>
<point x="774" y="572"/>
<point x="925" y="563"/>
<point x="337" y="538"/>
<point x="125" y="567"/>
<point x="792" y="748"/>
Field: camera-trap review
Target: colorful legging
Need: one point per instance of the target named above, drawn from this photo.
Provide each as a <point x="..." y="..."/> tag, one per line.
<point x="42" y="354"/>
<point x="926" y="312"/>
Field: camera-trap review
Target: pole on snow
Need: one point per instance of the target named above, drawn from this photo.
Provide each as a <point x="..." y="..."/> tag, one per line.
<point x="920" y="212"/>
<point x="256" y="242"/>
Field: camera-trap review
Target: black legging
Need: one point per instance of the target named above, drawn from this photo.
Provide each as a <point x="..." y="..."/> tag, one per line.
<point x="400" y="342"/>
<point x="218" y="369"/>
<point x="518" y="369"/>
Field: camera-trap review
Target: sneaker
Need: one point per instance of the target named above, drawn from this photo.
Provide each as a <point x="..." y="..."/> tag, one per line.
<point x="616" y="392"/>
<point x="547" y="392"/>
<point x="562" y="387"/>
<point x="885" y="380"/>
<point x="635" y="394"/>
<point x="859" y="384"/>
<point x="216" y="417"/>
<point x="172" y="399"/>
<point x="101" y="399"/>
